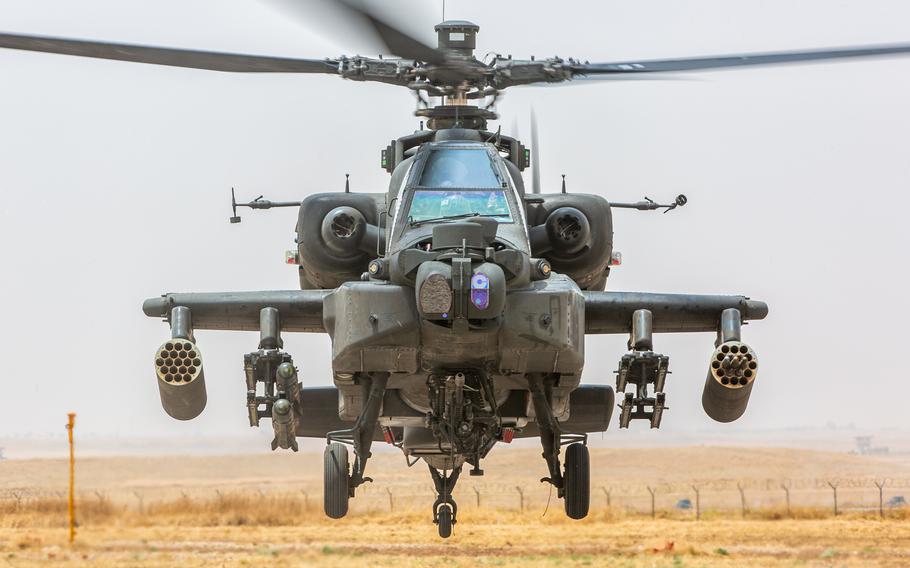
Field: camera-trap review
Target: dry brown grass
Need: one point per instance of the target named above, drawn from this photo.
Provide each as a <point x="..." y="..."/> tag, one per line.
<point x="243" y="511"/>
<point x="273" y="510"/>
<point x="249" y="529"/>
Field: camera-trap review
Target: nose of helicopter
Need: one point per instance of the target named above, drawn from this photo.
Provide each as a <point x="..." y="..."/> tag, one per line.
<point x="458" y="289"/>
<point x="461" y="284"/>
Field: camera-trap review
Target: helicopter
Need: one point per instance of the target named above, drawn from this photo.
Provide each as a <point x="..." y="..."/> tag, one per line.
<point x="457" y="302"/>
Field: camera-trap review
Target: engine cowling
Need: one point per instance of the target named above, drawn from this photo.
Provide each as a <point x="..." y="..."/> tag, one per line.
<point x="574" y="232"/>
<point x="337" y="236"/>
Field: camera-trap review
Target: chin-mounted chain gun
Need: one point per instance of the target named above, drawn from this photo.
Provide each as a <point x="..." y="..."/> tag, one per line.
<point x="281" y="390"/>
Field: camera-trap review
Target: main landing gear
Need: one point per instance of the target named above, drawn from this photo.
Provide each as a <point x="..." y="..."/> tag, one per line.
<point x="573" y="485"/>
<point x="341" y="479"/>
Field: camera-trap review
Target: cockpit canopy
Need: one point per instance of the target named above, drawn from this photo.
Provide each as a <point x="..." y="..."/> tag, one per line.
<point x="460" y="167"/>
<point x="429" y="204"/>
<point x="456" y="180"/>
<point x="459" y="180"/>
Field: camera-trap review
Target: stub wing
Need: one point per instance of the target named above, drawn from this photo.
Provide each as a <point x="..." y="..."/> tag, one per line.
<point x="299" y="310"/>
<point x="611" y="312"/>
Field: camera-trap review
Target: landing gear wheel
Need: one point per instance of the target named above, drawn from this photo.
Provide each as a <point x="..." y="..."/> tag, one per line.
<point x="577" y="481"/>
<point x="336" y="480"/>
<point x="444" y="521"/>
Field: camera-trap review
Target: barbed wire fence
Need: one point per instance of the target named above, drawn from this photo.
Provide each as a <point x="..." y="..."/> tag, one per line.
<point x="744" y="498"/>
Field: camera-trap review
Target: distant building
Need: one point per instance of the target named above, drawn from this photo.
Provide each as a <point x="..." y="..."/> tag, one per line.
<point x="864" y="447"/>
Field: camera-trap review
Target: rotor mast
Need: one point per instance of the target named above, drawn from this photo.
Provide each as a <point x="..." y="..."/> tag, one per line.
<point x="458" y="40"/>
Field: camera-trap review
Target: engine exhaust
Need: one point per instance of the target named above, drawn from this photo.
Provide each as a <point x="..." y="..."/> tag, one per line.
<point x="731" y="374"/>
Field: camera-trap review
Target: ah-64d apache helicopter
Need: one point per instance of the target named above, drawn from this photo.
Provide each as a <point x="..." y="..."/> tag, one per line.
<point x="457" y="302"/>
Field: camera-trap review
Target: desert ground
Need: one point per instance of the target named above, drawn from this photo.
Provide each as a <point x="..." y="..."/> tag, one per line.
<point x="265" y="509"/>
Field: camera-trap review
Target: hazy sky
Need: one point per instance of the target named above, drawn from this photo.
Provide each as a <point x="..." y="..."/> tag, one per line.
<point x="115" y="183"/>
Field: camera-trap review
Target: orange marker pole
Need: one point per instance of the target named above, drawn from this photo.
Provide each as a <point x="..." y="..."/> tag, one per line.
<point x="72" y="496"/>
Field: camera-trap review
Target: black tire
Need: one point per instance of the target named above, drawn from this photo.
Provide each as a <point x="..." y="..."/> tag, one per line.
<point x="444" y="521"/>
<point x="578" y="481"/>
<point x="336" y="481"/>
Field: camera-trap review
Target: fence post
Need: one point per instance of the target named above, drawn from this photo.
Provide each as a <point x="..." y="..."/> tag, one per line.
<point x="70" y="425"/>
<point x="742" y="498"/>
<point x="881" y="497"/>
<point x="18" y="497"/>
<point x="141" y="498"/>
<point x="477" y="493"/>
<point x="607" y="494"/>
<point x="521" y="496"/>
<point x="653" y="510"/>
<point x="833" y="486"/>
<point x="391" y="500"/>
<point x="697" y="502"/>
<point x="786" y="487"/>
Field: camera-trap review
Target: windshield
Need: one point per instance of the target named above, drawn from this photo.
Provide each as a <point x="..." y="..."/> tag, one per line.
<point x="435" y="204"/>
<point x="459" y="168"/>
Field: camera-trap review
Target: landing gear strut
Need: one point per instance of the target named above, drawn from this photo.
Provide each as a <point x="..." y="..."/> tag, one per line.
<point x="573" y="486"/>
<point x="340" y="480"/>
<point x="444" y="508"/>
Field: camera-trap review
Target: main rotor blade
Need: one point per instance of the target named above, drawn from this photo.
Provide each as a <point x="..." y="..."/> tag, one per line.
<point x="726" y="61"/>
<point x="396" y="41"/>
<point x="403" y="45"/>
<point x="209" y="60"/>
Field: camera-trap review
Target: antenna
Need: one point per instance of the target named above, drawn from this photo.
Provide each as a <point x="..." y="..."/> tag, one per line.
<point x="347" y="183"/>
<point x="535" y="154"/>
<point x="563" y="183"/>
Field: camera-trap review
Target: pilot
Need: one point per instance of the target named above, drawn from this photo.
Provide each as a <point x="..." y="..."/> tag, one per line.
<point x="454" y="203"/>
<point x="496" y="204"/>
<point x="449" y="172"/>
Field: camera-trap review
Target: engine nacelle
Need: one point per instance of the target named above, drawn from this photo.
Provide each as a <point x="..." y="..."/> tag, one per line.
<point x="731" y="374"/>
<point x="574" y="232"/>
<point x="337" y="236"/>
